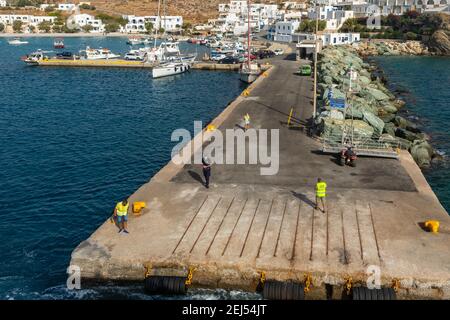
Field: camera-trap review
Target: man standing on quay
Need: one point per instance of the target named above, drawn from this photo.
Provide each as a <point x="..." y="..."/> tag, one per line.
<point x="321" y="193"/>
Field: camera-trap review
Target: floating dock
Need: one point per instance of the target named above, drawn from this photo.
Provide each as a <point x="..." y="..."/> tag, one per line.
<point x="247" y="227"/>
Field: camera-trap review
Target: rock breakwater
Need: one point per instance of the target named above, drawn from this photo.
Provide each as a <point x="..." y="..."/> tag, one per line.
<point x="373" y="108"/>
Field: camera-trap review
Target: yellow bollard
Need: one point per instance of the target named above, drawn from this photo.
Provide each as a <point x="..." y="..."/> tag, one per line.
<point x="210" y="127"/>
<point x="432" y="225"/>
<point x="137" y="207"/>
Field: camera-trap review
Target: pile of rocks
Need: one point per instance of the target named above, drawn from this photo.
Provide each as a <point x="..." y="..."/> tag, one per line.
<point x="389" y="48"/>
<point x="374" y="108"/>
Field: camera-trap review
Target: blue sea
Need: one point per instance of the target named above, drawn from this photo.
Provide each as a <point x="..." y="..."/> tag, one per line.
<point x="424" y="84"/>
<point x="75" y="141"/>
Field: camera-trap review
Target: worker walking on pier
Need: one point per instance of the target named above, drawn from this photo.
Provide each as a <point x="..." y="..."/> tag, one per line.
<point x="121" y="212"/>
<point x="321" y="193"/>
<point x="246" y="122"/>
<point x="206" y="170"/>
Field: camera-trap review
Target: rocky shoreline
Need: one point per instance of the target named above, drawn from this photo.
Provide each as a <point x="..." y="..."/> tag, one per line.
<point x="391" y="47"/>
<point x="375" y="109"/>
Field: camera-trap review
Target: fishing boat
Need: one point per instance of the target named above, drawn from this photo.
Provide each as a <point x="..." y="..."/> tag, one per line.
<point x="58" y="43"/>
<point x="98" y="54"/>
<point x="249" y="71"/>
<point x="170" y="69"/>
<point x="33" y="58"/>
<point x="17" y="41"/>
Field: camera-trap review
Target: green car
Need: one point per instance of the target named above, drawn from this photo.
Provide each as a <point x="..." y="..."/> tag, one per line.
<point x="305" y="70"/>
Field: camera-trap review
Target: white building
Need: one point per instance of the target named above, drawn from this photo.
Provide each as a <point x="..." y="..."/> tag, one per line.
<point x="66" y="7"/>
<point x="334" y="16"/>
<point x="284" y="30"/>
<point x="233" y="17"/>
<point x="82" y="20"/>
<point x="28" y="20"/>
<point x="337" y="38"/>
<point x="3" y="3"/>
<point x="168" y="23"/>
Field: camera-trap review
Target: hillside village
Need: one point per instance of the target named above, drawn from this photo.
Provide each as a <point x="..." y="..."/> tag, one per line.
<point x="340" y="21"/>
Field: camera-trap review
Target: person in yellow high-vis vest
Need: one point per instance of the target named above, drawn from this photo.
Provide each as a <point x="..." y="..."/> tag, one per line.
<point x="121" y="213"/>
<point x="321" y="193"/>
<point x="246" y="122"/>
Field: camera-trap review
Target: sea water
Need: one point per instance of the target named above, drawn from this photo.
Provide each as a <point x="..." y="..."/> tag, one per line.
<point x="424" y="84"/>
<point x="74" y="141"/>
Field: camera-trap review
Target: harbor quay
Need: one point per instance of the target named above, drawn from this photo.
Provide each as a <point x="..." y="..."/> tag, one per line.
<point x="248" y="228"/>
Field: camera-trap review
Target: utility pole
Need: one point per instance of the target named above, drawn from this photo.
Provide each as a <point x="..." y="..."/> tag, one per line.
<point x="315" y="63"/>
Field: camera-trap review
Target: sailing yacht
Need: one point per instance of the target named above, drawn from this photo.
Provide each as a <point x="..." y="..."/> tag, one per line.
<point x="249" y="71"/>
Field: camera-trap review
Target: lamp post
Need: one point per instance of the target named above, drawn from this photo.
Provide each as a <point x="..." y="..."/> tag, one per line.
<point x="315" y="63"/>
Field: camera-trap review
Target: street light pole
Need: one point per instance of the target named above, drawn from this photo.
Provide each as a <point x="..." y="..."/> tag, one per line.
<point x="315" y="63"/>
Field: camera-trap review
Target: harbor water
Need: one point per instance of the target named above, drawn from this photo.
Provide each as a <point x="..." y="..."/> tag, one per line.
<point x="76" y="140"/>
<point x="424" y="84"/>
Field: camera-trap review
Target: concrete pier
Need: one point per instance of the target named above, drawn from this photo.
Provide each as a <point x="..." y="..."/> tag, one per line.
<point x="247" y="223"/>
<point x="121" y="63"/>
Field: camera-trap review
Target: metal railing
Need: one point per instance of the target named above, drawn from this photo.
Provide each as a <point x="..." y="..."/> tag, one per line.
<point x="362" y="146"/>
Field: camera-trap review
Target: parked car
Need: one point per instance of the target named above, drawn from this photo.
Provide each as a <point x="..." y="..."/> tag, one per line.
<point x="263" y="54"/>
<point x="278" y="52"/>
<point x="133" y="56"/>
<point x="252" y="56"/>
<point x="229" y="60"/>
<point x="305" y="70"/>
<point x="65" y="55"/>
<point x="218" y="57"/>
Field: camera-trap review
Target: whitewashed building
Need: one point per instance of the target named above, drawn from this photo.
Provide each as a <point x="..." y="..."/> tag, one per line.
<point x="137" y="24"/>
<point x="233" y="17"/>
<point x="84" y="19"/>
<point x="27" y="20"/>
<point x="334" y="16"/>
<point x="3" y="3"/>
<point x="285" y="29"/>
<point x="338" y="38"/>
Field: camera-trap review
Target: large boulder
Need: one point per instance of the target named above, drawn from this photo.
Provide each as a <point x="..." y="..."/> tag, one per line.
<point x="334" y="128"/>
<point x="440" y="42"/>
<point x="422" y="153"/>
<point x="408" y="135"/>
<point x="406" y="124"/>
<point x="389" y="128"/>
<point x="375" y="122"/>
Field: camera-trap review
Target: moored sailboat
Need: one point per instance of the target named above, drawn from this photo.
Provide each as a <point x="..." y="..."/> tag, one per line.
<point x="249" y="70"/>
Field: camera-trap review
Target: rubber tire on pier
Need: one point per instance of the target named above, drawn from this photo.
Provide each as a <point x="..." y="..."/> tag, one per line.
<point x="165" y="285"/>
<point x="364" y="293"/>
<point x="288" y="290"/>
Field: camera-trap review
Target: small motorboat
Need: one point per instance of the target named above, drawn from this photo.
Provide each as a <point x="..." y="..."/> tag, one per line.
<point x="170" y="69"/>
<point x="58" y="43"/>
<point x="98" y="54"/>
<point x="34" y="58"/>
<point x="17" y="41"/>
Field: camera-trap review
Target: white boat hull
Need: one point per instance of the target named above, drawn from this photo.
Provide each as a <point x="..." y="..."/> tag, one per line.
<point x="248" y="77"/>
<point x="170" y="70"/>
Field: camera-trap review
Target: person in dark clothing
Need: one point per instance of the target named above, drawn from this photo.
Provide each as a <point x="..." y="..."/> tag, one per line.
<point x="206" y="170"/>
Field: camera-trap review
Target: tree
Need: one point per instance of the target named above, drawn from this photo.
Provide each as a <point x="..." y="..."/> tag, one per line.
<point x="161" y="30"/>
<point x="112" y="27"/>
<point x="2" y="27"/>
<point x="32" y="28"/>
<point x="149" y="27"/>
<point x="17" y="26"/>
<point x="310" y="25"/>
<point x="87" y="28"/>
<point x="45" y="26"/>
<point x="350" y="25"/>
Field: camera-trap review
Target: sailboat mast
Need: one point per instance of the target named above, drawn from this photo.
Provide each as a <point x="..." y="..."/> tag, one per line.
<point x="248" y="38"/>
<point x="159" y="22"/>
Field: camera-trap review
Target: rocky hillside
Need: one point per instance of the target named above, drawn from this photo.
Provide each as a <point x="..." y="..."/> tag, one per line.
<point x="440" y="40"/>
